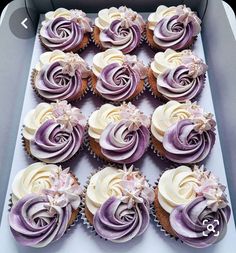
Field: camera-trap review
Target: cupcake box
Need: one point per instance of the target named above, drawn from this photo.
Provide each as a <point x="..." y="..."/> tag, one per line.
<point x="83" y="163"/>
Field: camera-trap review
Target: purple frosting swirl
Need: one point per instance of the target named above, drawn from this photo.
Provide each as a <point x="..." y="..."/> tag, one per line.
<point x="173" y="32"/>
<point x="176" y="84"/>
<point x="35" y="223"/>
<point x="53" y="144"/>
<point x="116" y="222"/>
<point x="62" y="34"/>
<point x="124" y="38"/>
<point x="188" y="223"/>
<point x="123" y="145"/>
<point x="54" y="85"/>
<point x="183" y="144"/>
<point x="118" y="82"/>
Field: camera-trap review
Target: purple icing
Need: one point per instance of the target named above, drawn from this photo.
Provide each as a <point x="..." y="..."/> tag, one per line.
<point x="53" y="144"/>
<point x="123" y="145"/>
<point x="53" y="84"/>
<point x="62" y="34"/>
<point x="118" y="82"/>
<point x="183" y="144"/>
<point x="120" y="36"/>
<point x="187" y="222"/>
<point x="116" y="222"/>
<point x="35" y="223"/>
<point x="176" y="32"/>
<point x="176" y="84"/>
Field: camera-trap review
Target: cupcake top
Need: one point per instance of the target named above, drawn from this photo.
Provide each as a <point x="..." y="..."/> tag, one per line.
<point x="195" y="199"/>
<point x="118" y="75"/>
<point x="46" y="198"/>
<point x="180" y="75"/>
<point x="174" y="27"/>
<point x="54" y="131"/>
<point x="120" y="28"/>
<point x="121" y="131"/>
<point x="186" y="132"/>
<point x="59" y="76"/>
<point x="119" y="201"/>
<point x="64" y="29"/>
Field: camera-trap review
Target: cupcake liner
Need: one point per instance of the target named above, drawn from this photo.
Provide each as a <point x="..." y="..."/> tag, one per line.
<point x="34" y="73"/>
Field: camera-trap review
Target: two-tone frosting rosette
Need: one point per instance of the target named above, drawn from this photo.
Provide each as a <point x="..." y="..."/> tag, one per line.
<point x="120" y="28"/>
<point x="173" y="27"/>
<point x="66" y="30"/>
<point x="60" y="76"/>
<point x="45" y="203"/>
<point x="178" y="76"/>
<point x="117" y="204"/>
<point x="117" y="77"/>
<point x="191" y="204"/>
<point x="118" y="133"/>
<point x="53" y="133"/>
<point x="182" y="132"/>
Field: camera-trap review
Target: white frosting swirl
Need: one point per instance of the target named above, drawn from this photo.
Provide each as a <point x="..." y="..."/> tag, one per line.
<point x="106" y="16"/>
<point x="167" y="115"/>
<point x="105" y="58"/>
<point x="99" y="119"/>
<point x="161" y="12"/>
<point x="33" y="179"/>
<point x="167" y="60"/>
<point x="177" y="187"/>
<point x="35" y="118"/>
<point x="102" y="186"/>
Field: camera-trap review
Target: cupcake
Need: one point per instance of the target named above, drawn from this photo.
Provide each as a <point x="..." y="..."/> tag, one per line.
<point x="183" y="133"/>
<point x="60" y="76"/>
<point x="117" y="77"/>
<point x="117" y="204"/>
<point x="118" y="134"/>
<point x="120" y="28"/>
<point x="46" y="203"/>
<point x="172" y="27"/>
<point x="178" y="76"/>
<point x="190" y="201"/>
<point x="53" y="133"/>
<point x="66" y="30"/>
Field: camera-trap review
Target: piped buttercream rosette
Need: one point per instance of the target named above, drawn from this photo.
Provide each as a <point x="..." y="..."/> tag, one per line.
<point x="183" y="133"/>
<point x="46" y="203"/>
<point x="117" y="203"/>
<point x="61" y="76"/>
<point x="189" y="201"/>
<point x="118" y="77"/>
<point x="173" y="27"/>
<point x="120" y="28"/>
<point x="54" y="133"/>
<point x="65" y="30"/>
<point x="119" y="133"/>
<point x="178" y="76"/>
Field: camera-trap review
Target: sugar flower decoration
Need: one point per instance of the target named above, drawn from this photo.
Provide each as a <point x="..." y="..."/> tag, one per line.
<point x="64" y="189"/>
<point x="134" y="63"/>
<point x="135" y="188"/>
<point x="81" y="18"/>
<point x="210" y="188"/>
<point x="73" y="63"/>
<point x="67" y="116"/>
<point x="202" y="121"/>
<point x="135" y="119"/>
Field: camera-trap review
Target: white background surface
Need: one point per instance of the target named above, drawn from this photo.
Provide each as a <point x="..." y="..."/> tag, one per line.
<point x="79" y="238"/>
